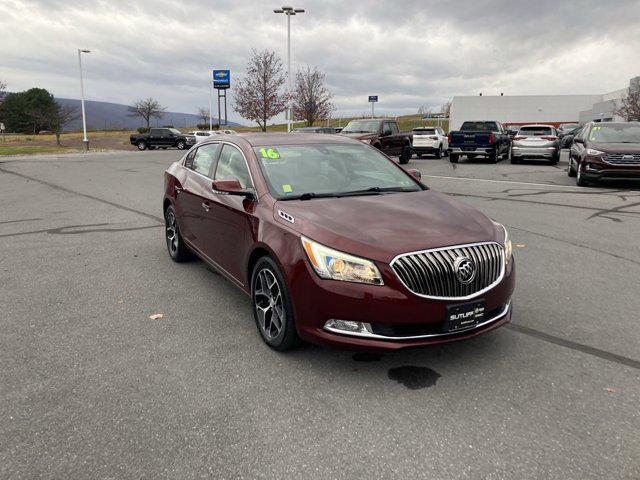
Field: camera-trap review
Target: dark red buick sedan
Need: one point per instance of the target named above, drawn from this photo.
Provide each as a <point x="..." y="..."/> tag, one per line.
<point x="336" y="244"/>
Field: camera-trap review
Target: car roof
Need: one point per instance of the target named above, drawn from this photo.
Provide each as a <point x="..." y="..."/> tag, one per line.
<point x="536" y="125"/>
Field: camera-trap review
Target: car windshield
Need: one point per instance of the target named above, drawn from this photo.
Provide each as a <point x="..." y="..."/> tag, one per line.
<point x="304" y="129"/>
<point x="535" y="131"/>
<point x="330" y="170"/>
<point x="361" y="126"/>
<point x="175" y="131"/>
<point x="621" y="133"/>
<point x="424" y="131"/>
<point x="479" y="126"/>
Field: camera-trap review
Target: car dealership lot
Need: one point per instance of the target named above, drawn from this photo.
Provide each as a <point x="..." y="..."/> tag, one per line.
<point x="94" y="388"/>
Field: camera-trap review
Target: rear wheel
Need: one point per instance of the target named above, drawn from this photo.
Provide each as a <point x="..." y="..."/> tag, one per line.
<point x="453" y="157"/>
<point x="555" y="159"/>
<point x="439" y="152"/>
<point x="272" y="309"/>
<point x="142" y="145"/>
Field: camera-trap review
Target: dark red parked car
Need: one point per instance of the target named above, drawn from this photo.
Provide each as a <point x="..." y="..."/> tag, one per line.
<point x="336" y="244"/>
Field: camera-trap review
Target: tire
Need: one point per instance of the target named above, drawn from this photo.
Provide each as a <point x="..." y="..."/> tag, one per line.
<point x="270" y="301"/>
<point x="178" y="250"/>
<point x="571" y="172"/>
<point x="453" y="157"/>
<point x="405" y="156"/>
<point x="142" y="145"/>
<point x="181" y="144"/>
<point x="439" y="152"/>
<point x="556" y="159"/>
<point x="493" y="158"/>
<point x="580" y="180"/>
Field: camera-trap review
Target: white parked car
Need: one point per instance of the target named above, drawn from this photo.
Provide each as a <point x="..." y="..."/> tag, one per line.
<point x="204" y="134"/>
<point x="430" y="140"/>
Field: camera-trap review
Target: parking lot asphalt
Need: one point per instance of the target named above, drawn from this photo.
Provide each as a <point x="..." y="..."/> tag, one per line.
<point x="93" y="388"/>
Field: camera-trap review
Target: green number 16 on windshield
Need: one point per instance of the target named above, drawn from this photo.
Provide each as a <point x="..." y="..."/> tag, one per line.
<point x="271" y="153"/>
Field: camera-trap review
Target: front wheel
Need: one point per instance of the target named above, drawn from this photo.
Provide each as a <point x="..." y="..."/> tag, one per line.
<point x="570" y="170"/>
<point x="178" y="251"/>
<point x="181" y="144"/>
<point x="272" y="309"/>
<point x="580" y="180"/>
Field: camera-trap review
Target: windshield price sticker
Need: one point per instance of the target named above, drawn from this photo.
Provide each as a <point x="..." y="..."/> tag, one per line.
<point x="269" y="153"/>
<point x="286" y="188"/>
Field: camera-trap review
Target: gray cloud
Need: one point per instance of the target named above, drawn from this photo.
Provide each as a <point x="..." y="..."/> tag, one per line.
<point x="410" y="52"/>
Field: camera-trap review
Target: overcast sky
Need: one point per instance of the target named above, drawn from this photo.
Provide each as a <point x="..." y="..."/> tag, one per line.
<point x="410" y="53"/>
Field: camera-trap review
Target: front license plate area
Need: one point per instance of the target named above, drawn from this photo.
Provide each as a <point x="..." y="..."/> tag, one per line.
<point x="463" y="316"/>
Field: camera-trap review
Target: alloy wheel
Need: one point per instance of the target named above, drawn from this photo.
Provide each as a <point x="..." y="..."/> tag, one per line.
<point x="172" y="233"/>
<point x="268" y="304"/>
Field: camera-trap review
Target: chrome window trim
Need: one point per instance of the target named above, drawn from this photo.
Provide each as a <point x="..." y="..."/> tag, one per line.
<point x="451" y="247"/>
<point x="375" y="336"/>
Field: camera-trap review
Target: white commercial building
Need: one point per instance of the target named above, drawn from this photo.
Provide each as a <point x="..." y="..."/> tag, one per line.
<point x="549" y="109"/>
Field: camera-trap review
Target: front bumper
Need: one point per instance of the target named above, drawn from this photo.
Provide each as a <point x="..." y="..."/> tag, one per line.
<point x="400" y="319"/>
<point x="595" y="168"/>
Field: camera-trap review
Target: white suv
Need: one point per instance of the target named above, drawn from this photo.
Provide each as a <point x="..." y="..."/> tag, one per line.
<point x="430" y="140"/>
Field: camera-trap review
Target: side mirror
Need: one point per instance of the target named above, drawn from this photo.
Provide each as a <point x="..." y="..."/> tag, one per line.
<point x="386" y="133"/>
<point x="231" y="186"/>
<point x="417" y="174"/>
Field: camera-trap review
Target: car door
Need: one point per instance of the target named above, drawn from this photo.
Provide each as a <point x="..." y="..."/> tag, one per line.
<point x="190" y="200"/>
<point x="396" y="140"/>
<point x="227" y="220"/>
<point x="155" y="137"/>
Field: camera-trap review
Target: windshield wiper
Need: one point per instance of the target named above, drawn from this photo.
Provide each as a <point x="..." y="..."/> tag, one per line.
<point x="376" y="191"/>
<point x="309" y="196"/>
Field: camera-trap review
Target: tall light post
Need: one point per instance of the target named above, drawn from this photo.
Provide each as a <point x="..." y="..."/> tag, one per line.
<point x="288" y="11"/>
<point x="85" y="140"/>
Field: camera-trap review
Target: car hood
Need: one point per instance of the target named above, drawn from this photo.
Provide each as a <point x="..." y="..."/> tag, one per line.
<point x="616" y="147"/>
<point x="358" y="136"/>
<point x="380" y="227"/>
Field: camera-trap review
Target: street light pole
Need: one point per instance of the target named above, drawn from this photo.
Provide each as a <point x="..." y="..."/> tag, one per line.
<point x="85" y="140"/>
<point x="288" y="11"/>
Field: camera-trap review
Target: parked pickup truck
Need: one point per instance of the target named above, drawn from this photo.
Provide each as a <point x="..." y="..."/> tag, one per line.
<point x="162" y="138"/>
<point x="383" y="134"/>
<point x="486" y="139"/>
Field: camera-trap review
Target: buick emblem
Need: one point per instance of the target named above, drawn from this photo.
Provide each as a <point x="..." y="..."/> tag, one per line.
<point x="465" y="269"/>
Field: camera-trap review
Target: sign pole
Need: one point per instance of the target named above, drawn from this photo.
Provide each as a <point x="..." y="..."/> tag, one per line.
<point x="218" y="108"/>
<point x="210" y="106"/>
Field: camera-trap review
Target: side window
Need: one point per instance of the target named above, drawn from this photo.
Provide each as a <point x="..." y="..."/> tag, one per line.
<point x="203" y="159"/>
<point x="188" y="162"/>
<point x="155" y="132"/>
<point x="233" y="165"/>
<point x="393" y="127"/>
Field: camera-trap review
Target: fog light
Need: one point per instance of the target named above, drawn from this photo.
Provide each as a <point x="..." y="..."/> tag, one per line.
<point x="347" y="326"/>
<point x="590" y="167"/>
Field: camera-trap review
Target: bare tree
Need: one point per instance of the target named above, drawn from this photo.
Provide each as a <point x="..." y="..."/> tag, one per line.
<point x="203" y="113"/>
<point x="3" y="87"/>
<point x="60" y="117"/>
<point x="311" y="99"/>
<point x="146" y="109"/>
<point x="629" y="107"/>
<point x="446" y="109"/>
<point x="258" y="96"/>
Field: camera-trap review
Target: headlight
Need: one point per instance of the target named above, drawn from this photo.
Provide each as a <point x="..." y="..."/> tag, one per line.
<point x="508" y="248"/>
<point x="591" y="151"/>
<point x="330" y="263"/>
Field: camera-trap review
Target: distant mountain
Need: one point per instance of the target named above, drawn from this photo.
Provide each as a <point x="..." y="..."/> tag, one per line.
<point x="114" y="116"/>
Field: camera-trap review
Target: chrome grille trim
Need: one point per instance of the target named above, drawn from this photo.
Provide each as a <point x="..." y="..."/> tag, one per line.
<point x="618" y="159"/>
<point x="430" y="273"/>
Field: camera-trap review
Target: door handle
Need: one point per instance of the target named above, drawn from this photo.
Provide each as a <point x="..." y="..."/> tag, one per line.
<point x="205" y="206"/>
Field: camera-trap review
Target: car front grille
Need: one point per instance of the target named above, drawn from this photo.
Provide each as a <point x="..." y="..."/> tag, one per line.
<point x="432" y="273"/>
<point x="622" y="158"/>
